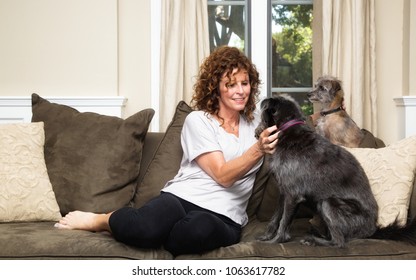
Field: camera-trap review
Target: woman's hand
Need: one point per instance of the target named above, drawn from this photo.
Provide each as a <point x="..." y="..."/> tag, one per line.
<point x="268" y="140"/>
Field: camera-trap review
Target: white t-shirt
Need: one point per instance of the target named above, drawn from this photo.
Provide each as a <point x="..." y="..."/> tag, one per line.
<point x="202" y="133"/>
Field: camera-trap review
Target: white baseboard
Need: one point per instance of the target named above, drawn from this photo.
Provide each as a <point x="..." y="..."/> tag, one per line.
<point x="407" y="115"/>
<point x="19" y="108"/>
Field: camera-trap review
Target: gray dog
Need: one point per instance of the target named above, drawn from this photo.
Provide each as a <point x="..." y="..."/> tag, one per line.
<point x="310" y="169"/>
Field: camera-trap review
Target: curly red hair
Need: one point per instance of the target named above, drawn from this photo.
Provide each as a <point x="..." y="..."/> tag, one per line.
<point x="223" y="60"/>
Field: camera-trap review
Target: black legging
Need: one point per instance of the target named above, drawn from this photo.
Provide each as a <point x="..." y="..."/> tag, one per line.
<point x="182" y="227"/>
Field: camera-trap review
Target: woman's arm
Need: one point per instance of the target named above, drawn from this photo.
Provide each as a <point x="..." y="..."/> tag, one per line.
<point x="227" y="173"/>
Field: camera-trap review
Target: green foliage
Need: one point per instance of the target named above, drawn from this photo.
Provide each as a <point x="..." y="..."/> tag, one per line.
<point x="292" y="53"/>
<point x="292" y="15"/>
<point x="307" y="109"/>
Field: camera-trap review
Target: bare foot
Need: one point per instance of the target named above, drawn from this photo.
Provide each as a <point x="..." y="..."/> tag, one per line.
<point x="84" y="221"/>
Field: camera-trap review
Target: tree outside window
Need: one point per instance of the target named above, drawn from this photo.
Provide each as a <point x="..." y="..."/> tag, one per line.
<point x="227" y="21"/>
<point x="291" y="50"/>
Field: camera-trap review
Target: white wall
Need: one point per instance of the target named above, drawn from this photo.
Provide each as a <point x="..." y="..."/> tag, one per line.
<point x="395" y="58"/>
<point x="76" y="48"/>
<point x="135" y="54"/>
<point x="412" y="47"/>
<point x="58" y="47"/>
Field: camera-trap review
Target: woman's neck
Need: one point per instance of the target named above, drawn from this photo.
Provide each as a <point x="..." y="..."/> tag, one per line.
<point x="229" y="122"/>
<point x="229" y="117"/>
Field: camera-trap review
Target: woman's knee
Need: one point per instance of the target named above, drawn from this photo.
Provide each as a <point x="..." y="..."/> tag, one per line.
<point x="200" y="231"/>
<point x="127" y="228"/>
<point x="148" y="226"/>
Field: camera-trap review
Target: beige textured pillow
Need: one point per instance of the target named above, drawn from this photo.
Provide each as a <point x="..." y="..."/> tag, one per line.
<point x="391" y="172"/>
<point x="25" y="190"/>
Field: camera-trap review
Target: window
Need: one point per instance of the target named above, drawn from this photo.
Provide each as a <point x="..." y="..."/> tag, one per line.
<point x="228" y="23"/>
<point x="287" y="40"/>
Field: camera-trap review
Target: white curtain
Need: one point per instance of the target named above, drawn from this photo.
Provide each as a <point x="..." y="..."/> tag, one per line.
<point x="348" y="52"/>
<point x="184" y="44"/>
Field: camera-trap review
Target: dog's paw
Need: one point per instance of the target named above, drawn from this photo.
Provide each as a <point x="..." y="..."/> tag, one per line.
<point x="283" y="238"/>
<point x="274" y="238"/>
<point x="308" y="241"/>
<point x="264" y="237"/>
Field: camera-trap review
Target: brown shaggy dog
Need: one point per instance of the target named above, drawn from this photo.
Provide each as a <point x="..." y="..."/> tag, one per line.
<point x="334" y="122"/>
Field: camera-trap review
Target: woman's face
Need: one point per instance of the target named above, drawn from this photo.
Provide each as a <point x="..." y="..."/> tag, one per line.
<point x="234" y="91"/>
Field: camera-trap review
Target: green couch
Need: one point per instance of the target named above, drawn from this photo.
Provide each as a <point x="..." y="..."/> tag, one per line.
<point x="160" y="157"/>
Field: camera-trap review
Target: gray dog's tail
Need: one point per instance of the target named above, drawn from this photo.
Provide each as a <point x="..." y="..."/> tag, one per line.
<point x="396" y="232"/>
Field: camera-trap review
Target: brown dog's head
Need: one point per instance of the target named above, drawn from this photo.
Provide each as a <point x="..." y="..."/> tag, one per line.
<point x="278" y="111"/>
<point x="326" y="89"/>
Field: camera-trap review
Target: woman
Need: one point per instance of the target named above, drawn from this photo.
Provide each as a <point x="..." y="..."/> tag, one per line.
<point x="204" y="206"/>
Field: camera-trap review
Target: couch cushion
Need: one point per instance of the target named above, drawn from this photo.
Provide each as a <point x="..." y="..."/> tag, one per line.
<point x="93" y="160"/>
<point x="25" y="189"/>
<point x="166" y="160"/>
<point x="249" y="248"/>
<point x="391" y="171"/>
<point x="41" y="240"/>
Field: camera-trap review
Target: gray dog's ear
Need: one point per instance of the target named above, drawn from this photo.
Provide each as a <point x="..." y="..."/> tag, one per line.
<point x="335" y="87"/>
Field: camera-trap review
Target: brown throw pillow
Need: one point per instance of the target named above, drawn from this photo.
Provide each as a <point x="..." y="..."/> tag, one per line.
<point x="93" y="160"/>
<point x="166" y="161"/>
